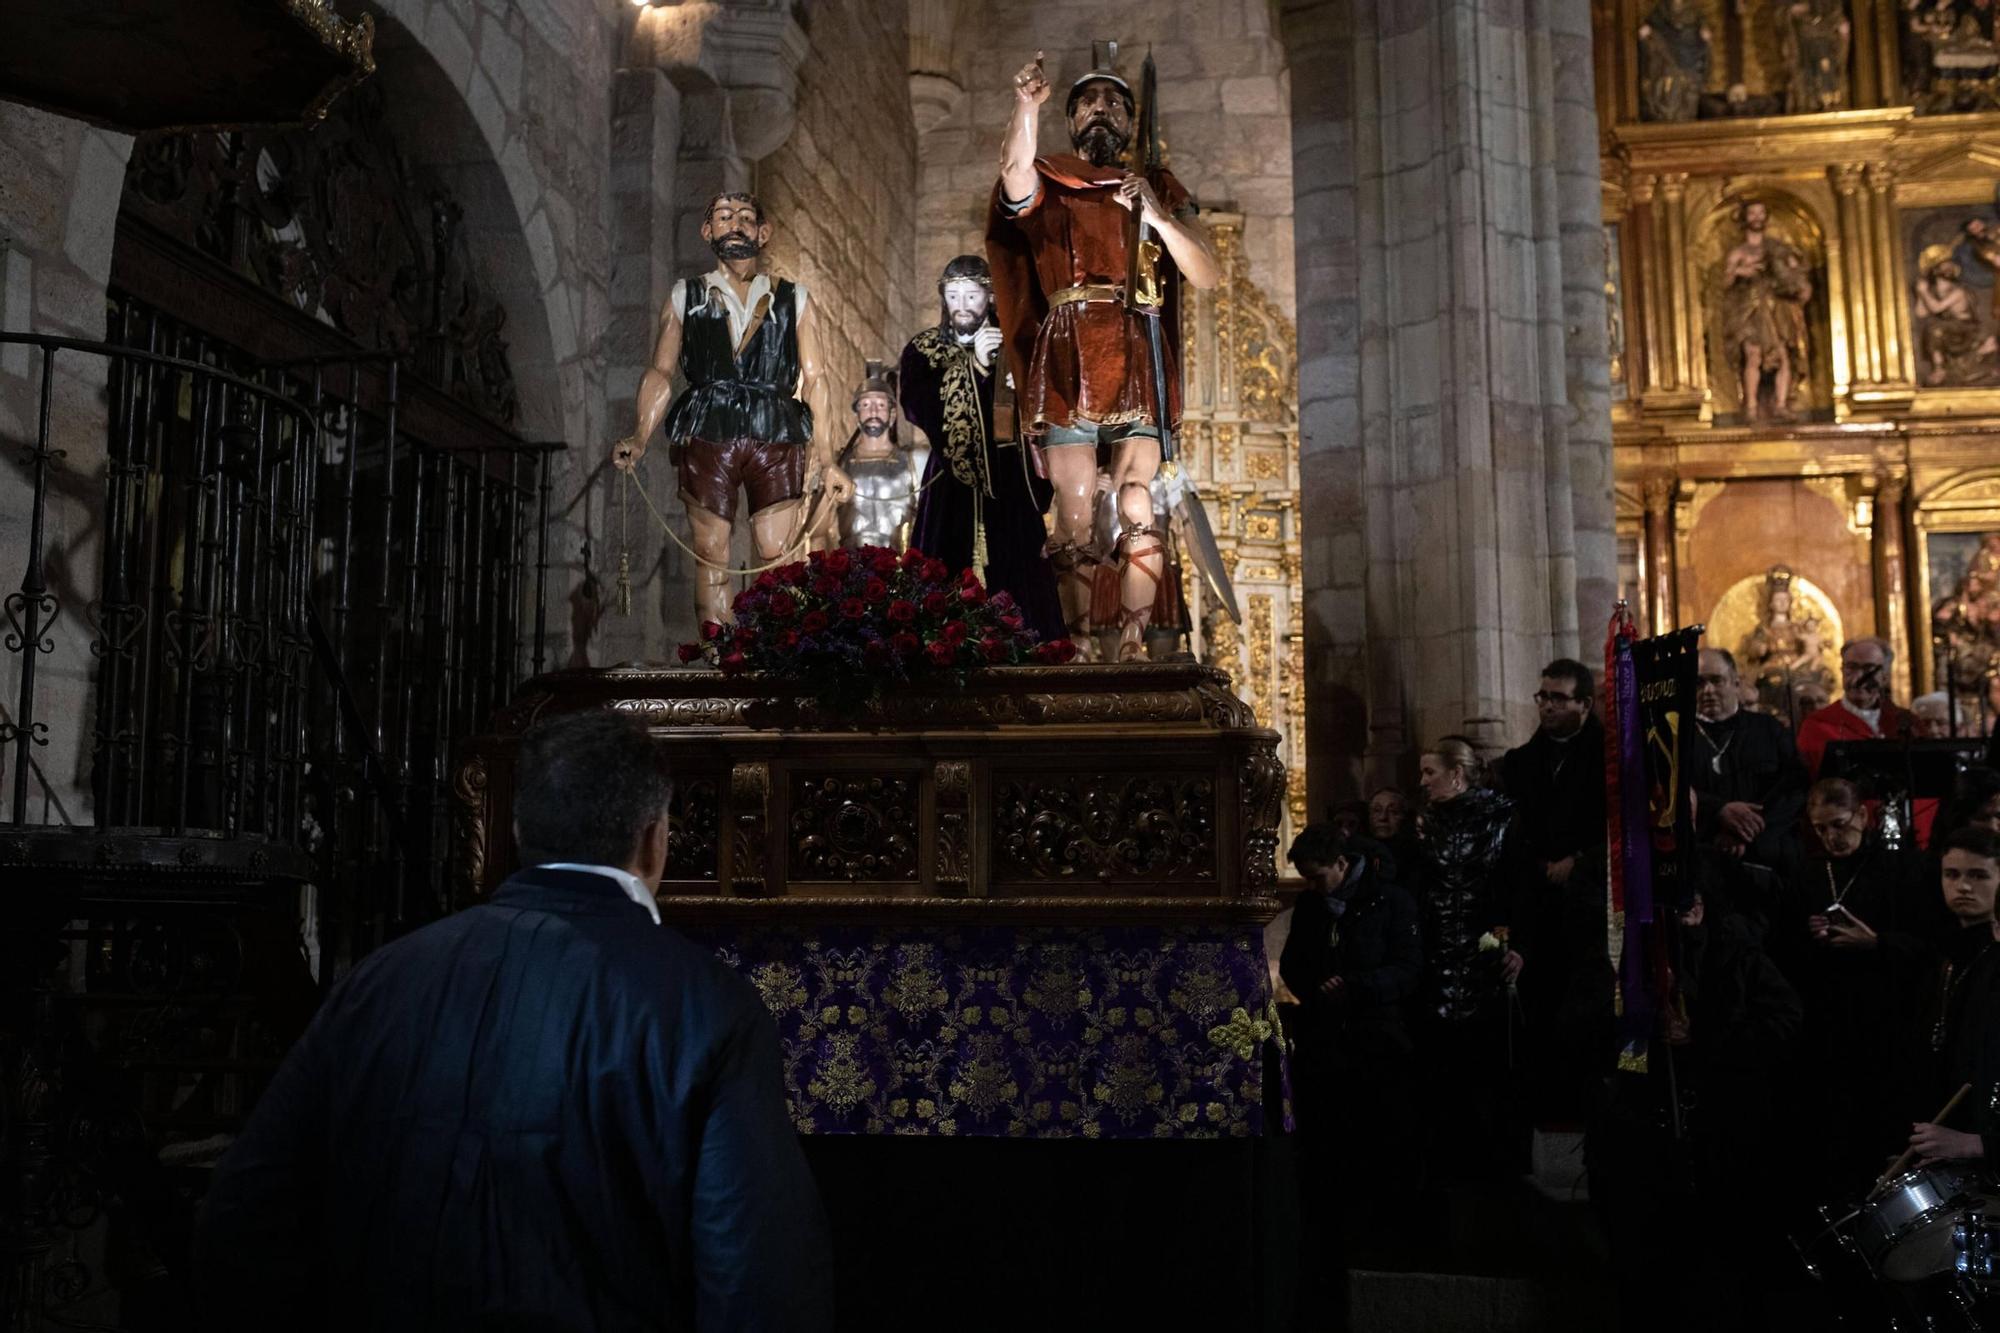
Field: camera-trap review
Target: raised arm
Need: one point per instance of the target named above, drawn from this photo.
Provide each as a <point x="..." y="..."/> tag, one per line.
<point x="654" y="388"/>
<point x="1017" y="150"/>
<point x="813" y="393"/>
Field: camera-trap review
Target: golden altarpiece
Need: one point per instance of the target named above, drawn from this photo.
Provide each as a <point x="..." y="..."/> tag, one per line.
<point x="1240" y="445"/>
<point x="1803" y="263"/>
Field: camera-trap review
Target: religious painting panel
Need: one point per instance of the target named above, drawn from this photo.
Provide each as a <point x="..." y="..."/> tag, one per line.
<point x="1714" y="59"/>
<point x="1958" y="571"/>
<point x="1950" y="61"/>
<point x="1951" y="259"/>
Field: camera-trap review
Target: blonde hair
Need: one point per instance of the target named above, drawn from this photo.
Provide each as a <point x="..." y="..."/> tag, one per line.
<point x="1458" y="755"/>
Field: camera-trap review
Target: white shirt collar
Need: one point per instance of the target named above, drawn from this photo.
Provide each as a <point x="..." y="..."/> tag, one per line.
<point x="739" y="309"/>
<point x="1872" y="716"/>
<point x="634" y="888"/>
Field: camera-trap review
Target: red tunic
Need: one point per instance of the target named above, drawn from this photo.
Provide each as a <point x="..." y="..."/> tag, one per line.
<point x="1081" y="363"/>
<point x="1837" y="722"/>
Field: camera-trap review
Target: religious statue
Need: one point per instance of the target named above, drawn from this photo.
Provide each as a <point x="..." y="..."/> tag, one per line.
<point x="1979" y="243"/>
<point x="982" y="505"/>
<point x="1674" y="43"/>
<point x="1784" y="651"/>
<point x="1967" y="622"/>
<point x="1765" y="289"/>
<point x="747" y="352"/>
<point x="886" y="473"/>
<point x="1813" y="37"/>
<point x="1084" y="295"/>
<point x="1949" y="336"/>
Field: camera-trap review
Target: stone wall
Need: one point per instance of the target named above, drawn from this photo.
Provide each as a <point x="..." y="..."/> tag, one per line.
<point x="1455" y="458"/>
<point x="842" y="188"/>
<point x="1225" y="117"/>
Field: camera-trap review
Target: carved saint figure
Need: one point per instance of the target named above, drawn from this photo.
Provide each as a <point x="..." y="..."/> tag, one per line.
<point x="1074" y="308"/>
<point x="982" y="505"/>
<point x="886" y="474"/>
<point x="1674" y="44"/>
<point x="1783" y="649"/>
<point x="1765" y="287"/>
<point x="1813" y="37"/>
<point x="747" y="352"/>
<point x="1949" y="336"/>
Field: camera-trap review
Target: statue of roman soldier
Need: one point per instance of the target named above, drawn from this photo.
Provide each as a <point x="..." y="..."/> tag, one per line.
<point x="1076" y="279"/>
<point x="747" y="352"/>
<point x="981" y="506"/>
<point x="886" y="472"/>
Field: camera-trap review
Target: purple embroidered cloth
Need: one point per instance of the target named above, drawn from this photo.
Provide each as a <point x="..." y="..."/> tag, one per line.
<point x="1026" y="1032"/>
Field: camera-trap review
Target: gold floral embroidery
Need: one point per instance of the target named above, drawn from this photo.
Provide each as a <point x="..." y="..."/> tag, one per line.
<point x="964" y="440"/>
<point x="1242" y="1034"/>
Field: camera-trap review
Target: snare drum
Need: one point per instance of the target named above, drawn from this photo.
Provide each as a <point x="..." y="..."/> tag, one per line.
<point x="1904" y="1232"/>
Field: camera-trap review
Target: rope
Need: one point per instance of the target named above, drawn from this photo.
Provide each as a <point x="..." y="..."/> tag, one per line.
<point x="810" y="514"/>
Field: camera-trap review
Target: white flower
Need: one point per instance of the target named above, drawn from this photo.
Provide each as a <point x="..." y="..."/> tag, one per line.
<point x="1490" y="942"/>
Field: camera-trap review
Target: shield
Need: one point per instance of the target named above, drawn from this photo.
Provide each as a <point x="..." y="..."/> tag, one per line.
<point x="1198" y="549"/>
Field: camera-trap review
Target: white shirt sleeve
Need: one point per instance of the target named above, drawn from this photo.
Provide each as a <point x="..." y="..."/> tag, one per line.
<point x="677" y="298"/>
<point x="798" y="299"/>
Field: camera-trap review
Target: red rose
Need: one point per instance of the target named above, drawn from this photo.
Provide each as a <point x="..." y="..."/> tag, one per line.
<point x="793" y="574"/>
<point x="936" y="603"/>
<point x="768" y="581"/>
<point x="690" y="651"/>
<point x="902" y="611"/>
<point x="968" y="577"/>
<point x="733" y="661"/>
<point x="711" y="629"/>
<point x="747" y="600"/>
<point x="941" y="653"/>
<point x="874" y="590"/>
<point x="783" y="605"/>
<point x="1009" y="619"/>
<point x="875" y="653"/>
<point x="955" y="632"/>
<point x="883" y="561"/>
<point x="836" y="561"/>
<point x="852" y="608"/>
<point x="972" y="594"/>
<point x="1055" y="652"/>
<point x="936" y="571"/>
<point x="813" y="622"/>
<point x="906" y="644"/>
<point x="994" y="650"/>
<point x="913" y="558"/>
<point x="789" y="639"/>
<point x="826" y="585"/>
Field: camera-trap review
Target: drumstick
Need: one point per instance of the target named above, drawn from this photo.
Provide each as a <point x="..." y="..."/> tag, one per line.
<point x="1902" y="1163"/>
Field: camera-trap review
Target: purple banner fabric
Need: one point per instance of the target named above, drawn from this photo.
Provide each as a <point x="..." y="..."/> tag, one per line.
<point x="1029" y="1032"/>
<point x="1636" y="813"/>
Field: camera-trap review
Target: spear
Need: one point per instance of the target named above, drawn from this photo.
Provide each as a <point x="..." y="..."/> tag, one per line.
<point x="1145" y="291"/>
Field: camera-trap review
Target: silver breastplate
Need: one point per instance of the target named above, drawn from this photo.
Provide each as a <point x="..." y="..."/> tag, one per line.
<point x="883" y="496"/>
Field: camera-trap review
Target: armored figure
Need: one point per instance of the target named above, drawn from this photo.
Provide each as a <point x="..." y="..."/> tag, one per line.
<point x="886" y="474"/>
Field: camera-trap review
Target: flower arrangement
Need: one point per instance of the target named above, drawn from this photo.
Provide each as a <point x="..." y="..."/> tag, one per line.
<point x="850" y="622"/>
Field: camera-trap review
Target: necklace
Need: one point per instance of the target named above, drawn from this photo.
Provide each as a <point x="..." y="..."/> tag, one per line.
<point x="1839" y="890"/>
<point x="1715" y="759"/>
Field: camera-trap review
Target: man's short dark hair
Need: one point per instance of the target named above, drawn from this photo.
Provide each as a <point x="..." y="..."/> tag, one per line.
<point x="735" y="197"/>
<point x="586" y="785"/>
<point x="1317" y="845"/>
<point x="1975" y="840"/>
<point x="1724" y="654"/>
<point x="1576" y="673"/>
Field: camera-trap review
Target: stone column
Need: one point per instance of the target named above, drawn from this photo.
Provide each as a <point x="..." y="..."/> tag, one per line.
<point x="1655" y="302"/>
<point x="1662" y="589"/>
<point x="1892" y="618"/>
<point x="1689" y="373"/>
<point x="1455" y="434"/>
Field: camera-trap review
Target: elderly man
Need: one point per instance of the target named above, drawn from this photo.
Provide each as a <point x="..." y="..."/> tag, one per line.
<point x="546" y="1112"/>
<point x="1863" y="711"/>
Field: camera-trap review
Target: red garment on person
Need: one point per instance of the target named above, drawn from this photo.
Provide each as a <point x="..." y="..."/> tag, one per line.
<point x="1838" y="722"/>
<point x="1082" y="362"/>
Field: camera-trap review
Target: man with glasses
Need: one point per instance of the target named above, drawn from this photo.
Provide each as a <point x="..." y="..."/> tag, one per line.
<point x="1863" y="711"/>
<point x="1748" y="784"/>
<point x="1556" y="781"/>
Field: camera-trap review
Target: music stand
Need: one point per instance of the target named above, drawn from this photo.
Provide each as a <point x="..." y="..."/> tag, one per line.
<point x="1899" y="772"/>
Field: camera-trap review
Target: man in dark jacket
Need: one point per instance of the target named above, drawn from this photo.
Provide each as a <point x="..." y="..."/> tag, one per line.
<point x="1557" y="783"/>
<point x="1969" y="1053"/>
<point x="1749" y="791"/>
<point x="1354" y="959"/>
<point x="546" y="1112"/>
